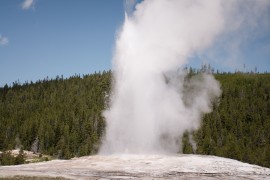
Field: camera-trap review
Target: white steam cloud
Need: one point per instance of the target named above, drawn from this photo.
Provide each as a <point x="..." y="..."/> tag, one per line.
<point x="152" y="101"/>
<point x="28" y="4"/>
<point x="246" y="22"/>
<point x="3" y="40"/>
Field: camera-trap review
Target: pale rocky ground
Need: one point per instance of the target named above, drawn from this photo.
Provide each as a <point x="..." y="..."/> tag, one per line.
<point x="141" y="167"/>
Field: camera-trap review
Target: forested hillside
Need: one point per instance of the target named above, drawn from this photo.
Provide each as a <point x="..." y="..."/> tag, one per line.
<point x="239" y="126"/>
<point x="62" y="117"/>
<point x="57" y="117"/>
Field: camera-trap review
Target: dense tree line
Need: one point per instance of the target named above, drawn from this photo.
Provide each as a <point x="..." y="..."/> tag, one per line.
<point x="56" y="117"/>
<point x="63" y="117"/>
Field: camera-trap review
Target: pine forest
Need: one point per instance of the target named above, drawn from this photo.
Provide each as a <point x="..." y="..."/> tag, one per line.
<point x="63" y="117"/>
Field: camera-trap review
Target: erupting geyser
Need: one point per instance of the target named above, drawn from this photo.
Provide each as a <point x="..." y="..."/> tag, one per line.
<point x="152" y="104"/>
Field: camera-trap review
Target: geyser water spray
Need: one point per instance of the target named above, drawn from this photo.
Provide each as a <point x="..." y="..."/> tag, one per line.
<point x="152" y="103"/>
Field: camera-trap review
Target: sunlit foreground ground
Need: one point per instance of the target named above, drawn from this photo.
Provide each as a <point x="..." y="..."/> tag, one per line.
<point x="140" y="166"/>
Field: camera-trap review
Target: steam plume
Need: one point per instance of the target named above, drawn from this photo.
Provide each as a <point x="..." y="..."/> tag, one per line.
<point x="28" y="4"/>
<point x="3" y="40"/>
<point x="152" y="103"/>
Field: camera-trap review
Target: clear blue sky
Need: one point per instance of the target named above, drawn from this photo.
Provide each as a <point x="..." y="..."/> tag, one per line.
<point x="64" y="37"/>
<point x="57" y="37"/>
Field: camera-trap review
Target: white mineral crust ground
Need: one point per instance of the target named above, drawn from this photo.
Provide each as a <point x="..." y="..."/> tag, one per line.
<point x="141" y="167"/>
